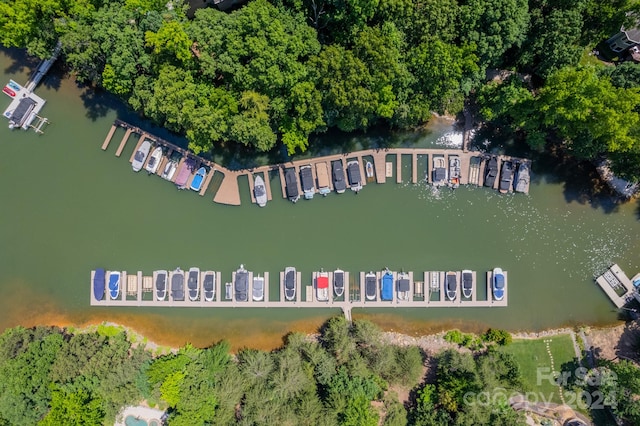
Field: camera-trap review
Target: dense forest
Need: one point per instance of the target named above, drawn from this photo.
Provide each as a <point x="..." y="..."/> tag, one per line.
<point x="348" y="375"/>
<point x="274" y="72"/>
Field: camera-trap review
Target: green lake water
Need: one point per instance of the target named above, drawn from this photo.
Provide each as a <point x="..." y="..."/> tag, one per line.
<point x="68" y="207"/>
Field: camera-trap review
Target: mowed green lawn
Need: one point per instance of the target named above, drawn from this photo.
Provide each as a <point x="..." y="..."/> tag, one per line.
<point x="532" y="355"/>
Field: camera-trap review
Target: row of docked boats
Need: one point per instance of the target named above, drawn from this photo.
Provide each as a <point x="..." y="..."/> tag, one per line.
<point x="322" y="183"/>
<point x="321" y="284"/>
<point x="446" y="174"/>
<point x="150" y="160"/>
<point x="451" y="284"/>
<point x="513" y="175"/>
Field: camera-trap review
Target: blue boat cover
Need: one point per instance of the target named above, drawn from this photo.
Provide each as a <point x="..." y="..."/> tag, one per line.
<point x="387" y="286"/>
<point x="114" y="284"/>
<point x="498" y="285"/>
<point x="98" y="284"/>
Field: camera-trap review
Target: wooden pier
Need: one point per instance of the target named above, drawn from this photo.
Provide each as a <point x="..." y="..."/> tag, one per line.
<point x="138" y="287"/>
<point x="228" y="192"/>
<point x="617" y="286"/>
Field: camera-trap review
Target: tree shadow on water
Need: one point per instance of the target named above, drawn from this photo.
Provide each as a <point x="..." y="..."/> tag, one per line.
<point x="21" y="62"/>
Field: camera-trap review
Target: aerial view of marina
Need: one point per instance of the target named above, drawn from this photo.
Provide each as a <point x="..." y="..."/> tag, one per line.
<point x="348" y="266"/>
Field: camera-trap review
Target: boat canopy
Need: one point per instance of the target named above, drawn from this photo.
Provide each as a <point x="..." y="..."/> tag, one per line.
<point x="322" y="282"/>
<point x="467" y="280"/>
<point x="291" y="183"/>
<point x="439" y="174"/>
<point x="353" y="172"/>
<point x="499" y="281"/>
<point x="403" y="284"/>
<point x="451" y="282"/>
<point x="22" y="111"/>
<point x="387" y="287"/>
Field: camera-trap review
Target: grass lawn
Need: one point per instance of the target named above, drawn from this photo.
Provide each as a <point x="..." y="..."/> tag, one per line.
<point x="532" y="354"/>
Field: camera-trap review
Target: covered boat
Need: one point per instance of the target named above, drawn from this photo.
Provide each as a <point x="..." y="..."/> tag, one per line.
<point x="439" y="172"/>
<point x="209" y="285"/>
<point x="259" y="191"/>
<point x="498" y="284"/>
<point x="177" y="284"/>
<point x="258" y="289"/>
<point x="322" y="175"/>
<point x="435" y="281"/>
<point x="154" y="160"/>
<point x="99" y="280"/>
<point x="193" y="283"/>
<point x="506" y="177"/>
<point x="23" y="114"/>
<point x="141" y="155"/>
<point x="322" y="286"/>
<point x="338" y="282"/>
<point x="228" y="291"/>
<point x="522" y="177"/>
<point x="369" y="169"/>
<point x="386" y="285"/>
<point x="353" y="173"/>
<point x="241" y="285"/>
<point x="184" y="172"/>
<point x="454" y="171"/>
<point x="306" y="181"/>
<point x="451" y="283"/>
<point x="291" y="183"/>
<point x="370" y="286"/>
<point x="337" y="172"/>
<point x="169" y="170"/>
<point x="198" y="179"/>
<point x="290" y="278"/>
<point x="467" y="283"/>
<point x="491" y="172"/>
<point x="114" y="284"/>
<point x="403" y="286"/>
<point x="161" y="284"/>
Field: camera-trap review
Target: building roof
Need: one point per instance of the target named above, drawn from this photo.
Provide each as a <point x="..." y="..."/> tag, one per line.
<point x="633" y="34"/>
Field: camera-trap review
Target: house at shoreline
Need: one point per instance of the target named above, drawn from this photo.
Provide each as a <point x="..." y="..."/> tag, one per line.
<point x="626" y="43"/>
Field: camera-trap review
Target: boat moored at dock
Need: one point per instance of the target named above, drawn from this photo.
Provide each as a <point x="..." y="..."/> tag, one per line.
<point x="338" y="282"/>
<point x="290" y="283"/>
<point x="439" y="173"/>
<point x="154" y="160"/>
<point x="451" y="283"/>
<point x="353" y="173"/>
<point x="161" y="284"/>
<point x="259" y="191"/>
<point x="258" y="289"/>
<point x="141" y="156"/>
<point x="209" y="285"/>
<point x="241" y="285"/>
<point x="498" y="284"/>
<point x="506" y="177"/>
<point x="193" y="283"/>
<point x="322" y="286"/>
<point x="306" y="180"/>
<point x="454" y="171"/>
<point x="184" y="173"/>
<point x="114" y="284"/>
<point x="99" y="280"/>
<point x="467" y="283"/>
<point x="369" y="170"/>
<point x="403" y="286"/>
<point x="370" y="286"/>
<point x="198" y="179"/>
<point x="322" y="175"/>
<point x="291" y="183"/>
<point x="177" y="284"/>
<point x="386" y="285"/>
<point x="491" y="172"/>
<point x="337" y="171"/>
<point x="521" y="183"/>
<point x="169" y="170"/>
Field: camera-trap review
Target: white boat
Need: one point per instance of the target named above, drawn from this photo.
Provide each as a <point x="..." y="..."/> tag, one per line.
<point x="290" y="283"/>
<point x="154" y="160"/>
<point x="161" y="284"/>
<point x="338" y="282"/>
<point x="451" y="285"/>
<point x="369" y="169"/>
<point x="467" y="283"/>
<point x="193" y="283"/>
<point x="169" y="170"/>
<point x="322" y="286"/>
<point x="259" y="191"/>
<point x="498" y="284"/>
<point x="258" y="289"/>
<point x="141" y="156"/>
<point x="403" y="286"/>
<point x="454" y="171"/>
<point x="209" y="285"/>
<point x="439" y="173"/>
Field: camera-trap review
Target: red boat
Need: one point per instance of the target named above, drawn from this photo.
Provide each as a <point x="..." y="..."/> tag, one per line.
<point x="8" y="91"/>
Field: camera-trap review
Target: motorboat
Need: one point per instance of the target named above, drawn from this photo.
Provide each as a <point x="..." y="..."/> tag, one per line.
<point x="290" y="284"/>
<point x="141" y="155"/>
<point x="467" y="283"/>
<point x="403" y="286"/>
<point x="370" y="286"/>
<point x="522" y="177"/>
<point x="161" y="284"/>
<point x="369" y="169"/>
<point x="259" y="191"/>
<point x="322" y="286"/>
<point x="154" y="160"/>
<point x="322" y="176"/>
<point x="451" y="283"/>
<point x="99" y="279"/>
<point x="353" y="173"/>
<point x="291" y="184"/>
<point x="337" y="172"/>
<point x="241" y="285"/>
<point x="386" y="285"/>
<point x="169" y="170"/>
<point x="338" y="282"/>
<point x="498" y="284"/>
<point x="439" y="172"/>
<point x="198" y="179"/>
<point x="209" y="285"/>
<point x="491" y="172"/>
<point x="9" y="92"/>
<point x="193" y="283"/>
<point x="306" y="180"/>
<point x="184" y="173"/>
<point x="177" y="284"/>
<point x="258" y="289"/>
<point x="454" y="171"/>
<point x="114" y="284"/>
<point x="506" y="177"/>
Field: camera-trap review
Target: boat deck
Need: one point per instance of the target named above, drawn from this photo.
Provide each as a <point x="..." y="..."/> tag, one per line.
<point x="617" y="286"/>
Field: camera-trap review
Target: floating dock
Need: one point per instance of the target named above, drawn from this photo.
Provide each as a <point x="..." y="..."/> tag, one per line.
<point x="617" y="286"/>
<point x="138" y="289"/>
